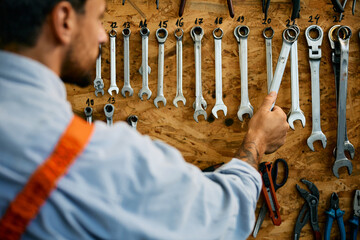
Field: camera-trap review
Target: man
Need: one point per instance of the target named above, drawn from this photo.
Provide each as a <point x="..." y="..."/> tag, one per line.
<point x="112" y="189"/>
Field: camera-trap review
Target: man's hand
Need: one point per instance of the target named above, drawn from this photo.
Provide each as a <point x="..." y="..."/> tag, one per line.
<point x="267" y="132"/>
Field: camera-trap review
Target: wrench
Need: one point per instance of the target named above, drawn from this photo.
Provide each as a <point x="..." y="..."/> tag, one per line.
<point x="113" y="86"/>
<point x="269" y="65"/>
<point x="290" y="35"/>
<point x="88" y="113"/>
<point x="179" y="68"/>
<point x="127" y="87"/>
<point x="314" y="59"/>
<point x="219" y="105"/>
<point x="98" y="82"/>
<point x="335" y="58"/>
<point x="197" y="34"/>
<point x="295" y="111"/>
<point x="145" y="68"/>
<point x="161" y="35"/>
<point x="109" y="113"/>
<point x="132" y="121"/>
<point x="341" y="159"/>
<point x="241" y="33"/>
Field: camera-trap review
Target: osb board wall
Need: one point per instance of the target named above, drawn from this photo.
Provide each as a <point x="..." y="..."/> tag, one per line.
<point x="213" y="141"/>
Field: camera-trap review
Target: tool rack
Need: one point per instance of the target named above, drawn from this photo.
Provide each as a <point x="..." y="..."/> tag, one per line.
<point x="216" y="140"/>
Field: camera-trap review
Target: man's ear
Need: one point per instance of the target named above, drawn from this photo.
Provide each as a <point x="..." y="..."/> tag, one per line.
<point x="63" y="20"/>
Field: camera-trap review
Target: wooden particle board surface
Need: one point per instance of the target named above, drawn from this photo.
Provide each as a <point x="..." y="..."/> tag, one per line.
<point x="216" y="140"/>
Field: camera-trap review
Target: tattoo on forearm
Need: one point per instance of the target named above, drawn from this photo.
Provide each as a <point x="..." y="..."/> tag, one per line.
<point x="246" y="152"/>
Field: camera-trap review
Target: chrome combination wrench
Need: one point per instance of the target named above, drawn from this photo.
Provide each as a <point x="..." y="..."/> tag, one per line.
<point x="269" y="65"/>
<point x="161" y="36"/>
<point x="88" y="113"/>
<point x="289" y="36"/>
<point x="335" y="58"/>
<point x="241" y="33"/>
<point x="113" y="86"/>
<point x="197" y="34"/>
<point x="295" y="112"/>
<point x="98" y="82"/>
<point x="343" y="34"/>
<point x="145" y="69"/>
<point x="314" y="59"/>
<point x="109" y="113"/>
<point x="219" y="105"/>
<point x="127" y="87"/>
<point x="179" y="68"/>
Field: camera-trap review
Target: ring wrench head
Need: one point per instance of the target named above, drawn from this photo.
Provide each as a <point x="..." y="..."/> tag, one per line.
<point x="161" y="35"/>
<point x="88" y="111"/>
<point x="314" y="43"/>
<point x="177" y="35"/>
<point x="343" y="33"/>
<point x="268" y="30"/>
<point x="332" y="36"/>
<point x="243" y="31"/>
<point x="112" y="33"/>
<point x="109" y="110"/>
<point x="290" y="35"/>
<point x="126" y="32"/>
<point x="216" y="35"/>
<point x="132" y="120"/>
<point x="197" y="33"/>
<point x="144" y="32"/>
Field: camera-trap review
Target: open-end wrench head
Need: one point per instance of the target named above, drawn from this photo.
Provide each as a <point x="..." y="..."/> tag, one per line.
<point x="99" y="91"/>
<point x="116" y="89"/>
<point x="347" y="147"/>
<point x="203" y="103"/>
<point x="216" y="35"/>
<point x="197" y="113"/>
<point x="144" y="32"/>
<point x="197" y="33"/>
<point x="127" y="89"/>
<point x="161" y="35"/>
<point x="159" y="99"/>
<point x="109" y="110"/>
<point x="178" y="99"/>
<point x="249" y="110"/>
<point x="316" y="136"/>
<point x="146" y="91"/>
<point x="266" y="30"/>
<point x="219" y="107"/>
<point x="296" y="115"/>
<point x="339" y="163"/>
<point x="178" y="36"/>
<point x="126" y="32"/>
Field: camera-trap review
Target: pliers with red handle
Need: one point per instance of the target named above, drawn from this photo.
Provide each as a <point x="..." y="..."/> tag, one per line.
<point x="229" y="2"/>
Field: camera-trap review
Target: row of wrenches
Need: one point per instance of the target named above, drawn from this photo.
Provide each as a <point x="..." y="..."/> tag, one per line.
<point x="241" y="33"/>
<point x="339" y="37"/>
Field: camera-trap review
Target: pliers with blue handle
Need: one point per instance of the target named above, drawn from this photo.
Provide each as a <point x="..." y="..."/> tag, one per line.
<point x="334" y="212"/>
<point x="354" y="221"/>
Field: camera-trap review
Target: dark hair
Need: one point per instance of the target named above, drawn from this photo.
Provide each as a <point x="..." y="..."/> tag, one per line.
<point x="22" y="20"/>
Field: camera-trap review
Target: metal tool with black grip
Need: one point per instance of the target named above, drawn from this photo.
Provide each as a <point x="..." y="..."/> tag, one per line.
<point x="296" y="10"/>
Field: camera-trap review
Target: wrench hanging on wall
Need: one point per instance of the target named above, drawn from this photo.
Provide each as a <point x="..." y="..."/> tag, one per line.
<point x="269" y="65"/>
<point x="113" y="86"/>
<point x="161" y="36"/>
<point x="219" y="105"/>
<point x="241" y="33"/>
<point x="98" y="82"/>
<point x="343" y="34"/>
<point x="179" y="68"/>
<point x="295" y="112"/>
<point x="335" y="58"/>
<point x="127" y="87"/>
<point x="314" y="59"/>
<point x="197" y="34"/>
<point x="145" y="69"/>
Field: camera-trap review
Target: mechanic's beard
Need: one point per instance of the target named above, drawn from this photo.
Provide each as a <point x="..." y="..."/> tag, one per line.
<point x="72" y="73"/>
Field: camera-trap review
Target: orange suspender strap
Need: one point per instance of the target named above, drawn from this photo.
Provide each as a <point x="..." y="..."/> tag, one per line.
<point x="28" y="202"/>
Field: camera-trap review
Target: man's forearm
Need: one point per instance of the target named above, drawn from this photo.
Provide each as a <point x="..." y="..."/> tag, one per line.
<point x="250" y="151"/>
